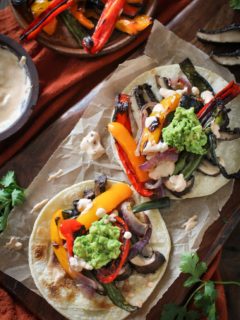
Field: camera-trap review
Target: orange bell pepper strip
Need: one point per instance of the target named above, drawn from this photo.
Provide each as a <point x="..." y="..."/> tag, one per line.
<point x="169" y="104"/>
<point x="128" y="144"/>
<point x="79" y="15"/>
<point x="107" y="200"/>
<point x="57" y="243"/>
<point x="133" y="26"/>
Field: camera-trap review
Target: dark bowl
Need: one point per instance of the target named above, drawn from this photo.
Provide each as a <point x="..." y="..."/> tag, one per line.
<point x="63" y="42"/>
<point x="32" y="74"/>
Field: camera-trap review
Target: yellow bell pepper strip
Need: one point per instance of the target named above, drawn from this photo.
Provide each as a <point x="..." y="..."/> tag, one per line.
<point x="153" y="136"/>
<point x="57" y="243"/>
<point x="107" y="200"/>
<point x="37" y="8"/>
<point x="79" y="15"/>
<point x="128" y="144"/>
<point x="133" y="26"/>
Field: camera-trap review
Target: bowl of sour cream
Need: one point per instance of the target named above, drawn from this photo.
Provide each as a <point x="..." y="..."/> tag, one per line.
<point x="19" y="87"/>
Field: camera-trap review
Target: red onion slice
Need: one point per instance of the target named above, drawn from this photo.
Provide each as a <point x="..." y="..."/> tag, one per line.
<point x="180" y="83"/>
<point x="168" y="155"/>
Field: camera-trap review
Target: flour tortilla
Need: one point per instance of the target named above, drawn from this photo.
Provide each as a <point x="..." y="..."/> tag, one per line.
<point x="64" y="295"/>
<point x="229" y="151"/>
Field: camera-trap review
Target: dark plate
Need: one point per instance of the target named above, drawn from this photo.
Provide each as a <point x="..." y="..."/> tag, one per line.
<point x="63" y="42"/>
<point x="31" y="71"/>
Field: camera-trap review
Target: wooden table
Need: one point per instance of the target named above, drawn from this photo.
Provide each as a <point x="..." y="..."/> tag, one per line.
<point x="28" y="162"/>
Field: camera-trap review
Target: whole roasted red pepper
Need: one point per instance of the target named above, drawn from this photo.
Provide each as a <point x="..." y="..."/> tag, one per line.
<point x="109" y="274"/>
<point x="105" y="26"/>
<point x="225" y="95"/>
<point x="54" y="9"/>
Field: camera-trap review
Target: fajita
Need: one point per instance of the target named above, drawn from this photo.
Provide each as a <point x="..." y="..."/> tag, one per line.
<point x="174" y="131"/>
<point x="91" y="257"/>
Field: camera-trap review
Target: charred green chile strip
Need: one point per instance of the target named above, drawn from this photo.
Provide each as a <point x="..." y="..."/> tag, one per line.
<point x="193" y="76"/>
<point x="149" y="92"/>
<point x="153" y="204"/>
<point x="73" y="26"/>
<point x="215" y="160"/>
<point x="192" y="165"/>
<point x="117" y="298"/>
<point x="181" y="163"/>
<point x="138" y="94"/>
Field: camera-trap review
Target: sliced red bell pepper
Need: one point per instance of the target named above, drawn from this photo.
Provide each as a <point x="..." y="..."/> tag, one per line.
<point x="121" y="114"/>
<point x="129" y="10"/>
<point x="67" y="229"/>
<point x="109" y="274"/>
<point x="105" y="26"/>
<point x="54" y="9"/>
<point x="226" y="94"/>
<point x="138" y="186"/>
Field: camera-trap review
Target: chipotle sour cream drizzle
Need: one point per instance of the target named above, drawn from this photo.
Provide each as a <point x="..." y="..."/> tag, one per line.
<point x="15" y="89"/>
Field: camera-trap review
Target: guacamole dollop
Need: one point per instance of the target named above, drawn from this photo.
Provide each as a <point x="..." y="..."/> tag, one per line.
<point x="185" y="132"/>
<point x="100" y="245"/>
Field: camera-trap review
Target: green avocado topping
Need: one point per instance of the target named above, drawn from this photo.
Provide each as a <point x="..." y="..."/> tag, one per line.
<point x="185" y="132"/>
<point x="100" y="245"/>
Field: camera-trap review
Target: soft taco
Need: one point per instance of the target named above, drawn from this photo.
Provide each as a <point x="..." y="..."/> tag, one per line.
<point x="91" y="257"/>
<point x="173" y="132"/>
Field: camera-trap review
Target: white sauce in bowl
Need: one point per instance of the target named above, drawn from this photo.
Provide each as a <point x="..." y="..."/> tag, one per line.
<point x="15" y="88"/>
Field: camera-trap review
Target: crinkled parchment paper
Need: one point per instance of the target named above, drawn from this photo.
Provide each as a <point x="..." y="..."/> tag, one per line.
<point x="162" y="48"/>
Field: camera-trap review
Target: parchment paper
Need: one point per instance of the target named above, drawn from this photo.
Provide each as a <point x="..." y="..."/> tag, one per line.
<point x="163" y="47"/>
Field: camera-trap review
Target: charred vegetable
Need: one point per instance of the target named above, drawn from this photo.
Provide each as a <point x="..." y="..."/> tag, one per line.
<point x="117" y="298"/>
<point x="149" y="92"/>
<point x="148" y="265"/>
<point x="105" y="26"/>
<point x="215" y="159"/>
<point x="194" y="77"/>
<point x="230" y="33"/>
<point x="139" y="96"/>
<point x="100" y="184"/>
<point x="208" y="168"/>
<point x="190" y="101"/>
<point x="229" y="135"/>
<point x="153" y="204"/>
<point x="53" y="10"/>
<point x="227" y="58"/>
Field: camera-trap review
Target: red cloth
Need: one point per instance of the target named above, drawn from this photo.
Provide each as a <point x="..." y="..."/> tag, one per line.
<point x="65" y="80"/>
<point x="12" y="310"/>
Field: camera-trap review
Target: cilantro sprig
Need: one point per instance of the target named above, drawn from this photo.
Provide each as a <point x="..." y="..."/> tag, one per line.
<point x="203" y="297"/>
<point x="11" y="195"/>
<point x="235" y="4"/>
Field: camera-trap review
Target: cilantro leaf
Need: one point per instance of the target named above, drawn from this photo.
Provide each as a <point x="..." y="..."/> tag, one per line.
<point x="8" y="179"/>
<point x="205" y="300"/>
<point x="17" y="197"/>
<point x="235" y="4"/>
<point x="190" y="264"/>
<point x="174" y="312"/>
<point x="11" y="194"/>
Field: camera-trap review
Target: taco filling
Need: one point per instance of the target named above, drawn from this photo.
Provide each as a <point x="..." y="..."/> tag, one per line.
<point x="102" y="244"/>
<point x="180" y="121"/>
